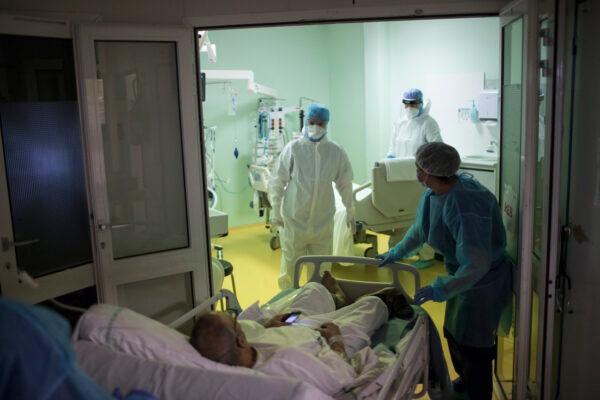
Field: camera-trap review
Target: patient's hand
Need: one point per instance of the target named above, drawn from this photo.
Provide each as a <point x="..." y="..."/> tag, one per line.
<point x="329" y="330"/>
<point x="332" y="333"/>
<point x="277" y="321"/>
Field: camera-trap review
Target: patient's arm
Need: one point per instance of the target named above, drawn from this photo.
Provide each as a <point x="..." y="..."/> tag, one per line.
<point x="277" y="321"/>
<point x="332" y="333"/>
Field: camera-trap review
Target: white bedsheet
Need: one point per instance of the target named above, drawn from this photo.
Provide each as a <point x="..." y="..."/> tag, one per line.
<point x="343" y="243"/>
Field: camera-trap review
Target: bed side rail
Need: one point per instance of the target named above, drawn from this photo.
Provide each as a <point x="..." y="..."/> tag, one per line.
<point x="411" y="366"/>
<point x="317" y="261"/>
<point x="230" y="301"/>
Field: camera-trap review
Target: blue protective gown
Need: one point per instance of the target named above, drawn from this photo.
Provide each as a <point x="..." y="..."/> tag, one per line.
<point x="465" y="226"/>
<point x="37" y="359"/>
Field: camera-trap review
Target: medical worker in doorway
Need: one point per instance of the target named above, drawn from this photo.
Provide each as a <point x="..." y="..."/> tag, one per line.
<point x="301" y="192"/>
<point x="461" y="219"/>
<point x="414" y="128"/>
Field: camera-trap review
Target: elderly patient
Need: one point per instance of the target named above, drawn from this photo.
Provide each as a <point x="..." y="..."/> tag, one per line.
<point x="326" y="347"/>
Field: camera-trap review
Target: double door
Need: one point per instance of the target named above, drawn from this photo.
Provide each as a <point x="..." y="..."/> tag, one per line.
<point x="102" y="177"/>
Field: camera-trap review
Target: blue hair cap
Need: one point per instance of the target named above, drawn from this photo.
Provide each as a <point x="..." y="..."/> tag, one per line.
<point x="317" y="111"/>
<point x="412" y="96"/>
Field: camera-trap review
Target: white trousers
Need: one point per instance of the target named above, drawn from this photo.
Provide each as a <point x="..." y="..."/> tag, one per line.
<point x="296" y="243"/>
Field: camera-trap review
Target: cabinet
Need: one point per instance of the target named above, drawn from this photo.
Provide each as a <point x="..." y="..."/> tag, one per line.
<point x="484" y="171"/>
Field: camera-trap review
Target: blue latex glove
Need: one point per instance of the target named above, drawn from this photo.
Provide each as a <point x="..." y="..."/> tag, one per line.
<point x="423" y="295"/>
<point x="390" y="156"/>
<point x="387" y="258"/>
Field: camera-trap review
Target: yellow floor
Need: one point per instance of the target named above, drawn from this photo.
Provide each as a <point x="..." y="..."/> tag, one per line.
<point x="256" y="268"/>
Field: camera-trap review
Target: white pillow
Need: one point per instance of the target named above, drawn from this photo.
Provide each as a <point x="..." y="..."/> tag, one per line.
<point x="126" y="331"/>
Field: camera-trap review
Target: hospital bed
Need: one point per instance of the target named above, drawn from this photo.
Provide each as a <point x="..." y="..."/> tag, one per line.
<point x="258" y="176"/>
<point x="387" y="204"/>
<point x="122" y="349"/>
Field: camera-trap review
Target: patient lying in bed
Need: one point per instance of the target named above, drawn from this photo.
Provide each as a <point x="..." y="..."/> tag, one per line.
<point x="325" y="346"/>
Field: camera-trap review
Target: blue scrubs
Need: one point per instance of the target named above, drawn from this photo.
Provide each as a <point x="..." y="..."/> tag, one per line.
<point x="37" y="360"/>
<point x="465" y="226"/>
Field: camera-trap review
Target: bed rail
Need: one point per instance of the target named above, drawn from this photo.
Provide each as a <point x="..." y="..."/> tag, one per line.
<point x="350" y="286"/>
<point x="412" y="363"/>
<point x="411" y="366"/>
<point x="230" y="301"/>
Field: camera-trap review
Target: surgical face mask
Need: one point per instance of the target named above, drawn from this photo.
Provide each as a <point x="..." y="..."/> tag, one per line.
<point x="315" y="132"/>
<point x="411" y="112"/>
<point x="424" y="181"/>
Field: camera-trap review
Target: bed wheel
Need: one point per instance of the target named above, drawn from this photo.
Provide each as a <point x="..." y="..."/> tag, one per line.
<point x="370" y="252"/>
<point x="274" y="242"/>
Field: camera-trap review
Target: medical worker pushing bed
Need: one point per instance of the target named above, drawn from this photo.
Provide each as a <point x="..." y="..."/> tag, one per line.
<point x="461" y="219"/>
<point x="301" y="193"/>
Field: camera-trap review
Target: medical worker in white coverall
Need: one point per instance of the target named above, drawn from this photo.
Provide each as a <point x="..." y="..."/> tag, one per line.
<point x="301" y="192"/>
<point x="414" y="128"/>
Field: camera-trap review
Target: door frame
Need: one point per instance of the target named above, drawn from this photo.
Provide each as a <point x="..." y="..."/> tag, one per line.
<point x="528" y="10"/>
<point x="529" y="158"/>
<point x="549" y="267"/>
<point x="166" y="263"/>
<point x="68" y="280"/>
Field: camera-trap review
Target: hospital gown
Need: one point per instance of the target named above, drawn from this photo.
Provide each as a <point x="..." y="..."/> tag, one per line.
<point x="300" y="351"/>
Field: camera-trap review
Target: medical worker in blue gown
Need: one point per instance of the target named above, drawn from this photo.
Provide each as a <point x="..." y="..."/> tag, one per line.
<point x="461" y="220"/>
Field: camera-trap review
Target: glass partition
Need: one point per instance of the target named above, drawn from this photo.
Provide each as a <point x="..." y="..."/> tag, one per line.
<point x="143" y="157"/>
<point x="510" y="171"/>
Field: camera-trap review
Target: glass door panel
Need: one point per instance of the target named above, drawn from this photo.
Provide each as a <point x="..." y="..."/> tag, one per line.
<point x="143" y="142"/>
<point x="540" y="219"/>
<point x="45" y="221"/>
<point x="512" y="112"/>
<point x="510" y="172"/>
<point x="143" y="155"/>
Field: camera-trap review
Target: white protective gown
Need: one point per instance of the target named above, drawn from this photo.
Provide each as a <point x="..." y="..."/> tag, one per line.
<point x="299" y="351"/>
<point x="410" y="134"/>
<point x="301" y="194"/>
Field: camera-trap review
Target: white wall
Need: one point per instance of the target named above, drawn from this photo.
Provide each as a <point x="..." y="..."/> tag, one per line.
<point x="443" y="59"/>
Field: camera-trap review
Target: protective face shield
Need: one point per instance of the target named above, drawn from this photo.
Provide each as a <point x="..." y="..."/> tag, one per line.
<point x="411" y="112"/>
<point x="412" y="96"/>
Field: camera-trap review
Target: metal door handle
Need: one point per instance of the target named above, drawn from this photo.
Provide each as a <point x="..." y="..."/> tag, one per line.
<point x="119" y="226"/>
<point x="104" y="227"/>
<point x="7" y="243"/>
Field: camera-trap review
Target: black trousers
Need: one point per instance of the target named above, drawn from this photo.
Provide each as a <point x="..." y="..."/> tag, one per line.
<point x="474" y="366"/>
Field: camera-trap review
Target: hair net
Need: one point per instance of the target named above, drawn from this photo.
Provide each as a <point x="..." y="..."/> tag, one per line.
<point x="412" y="96"/>
<point x="317" y="111"/>
<point x="438" y="159"/>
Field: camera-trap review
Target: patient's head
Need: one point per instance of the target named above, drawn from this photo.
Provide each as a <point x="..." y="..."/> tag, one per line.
<point x="219" y="337"/>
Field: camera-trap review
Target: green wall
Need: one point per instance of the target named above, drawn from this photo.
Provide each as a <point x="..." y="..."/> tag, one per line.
<point x="347" y="93"/>
<point x="294" y="60"/>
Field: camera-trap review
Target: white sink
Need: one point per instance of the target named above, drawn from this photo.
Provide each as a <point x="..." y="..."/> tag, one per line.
<point x="484" y="157"/>
<point x="486" y="160"/>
